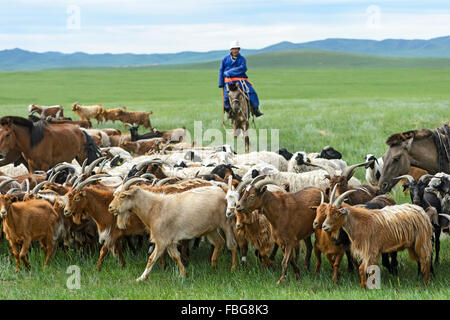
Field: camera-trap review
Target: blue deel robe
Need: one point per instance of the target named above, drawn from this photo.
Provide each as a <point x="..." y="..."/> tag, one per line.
<point x="235" y="69"/>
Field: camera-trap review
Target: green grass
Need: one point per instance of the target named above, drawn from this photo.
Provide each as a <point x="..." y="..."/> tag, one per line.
<point x="352" y="110"/>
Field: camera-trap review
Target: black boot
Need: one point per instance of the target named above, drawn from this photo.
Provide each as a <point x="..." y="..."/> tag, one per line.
<point x="256" y="112"/>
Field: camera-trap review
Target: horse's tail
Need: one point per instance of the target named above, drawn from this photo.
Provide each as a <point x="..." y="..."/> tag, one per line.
<point x="91" y="149"/>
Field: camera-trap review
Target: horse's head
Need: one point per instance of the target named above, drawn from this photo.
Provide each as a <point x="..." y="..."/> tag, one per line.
<point x="234" y="95"/>
<point x="396" y="162"/>
<point x="7" y="142"/>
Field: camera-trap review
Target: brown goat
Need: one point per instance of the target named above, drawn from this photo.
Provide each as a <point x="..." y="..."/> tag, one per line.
<point x="290" y="214"/>
<point x="94" y="202"/>
<point x="112" y="114"/>
<point x="141" y="147"/>
<point x="88" y="112"/>
<point x="56" y="111"/>
<point x="257" y="230"/>
<point x="27" y="221"/>
<point x="363" y="193"/>
<point x="373" y="232"/>
<point x="136" y="117"/>
<point x="325" y="244"/>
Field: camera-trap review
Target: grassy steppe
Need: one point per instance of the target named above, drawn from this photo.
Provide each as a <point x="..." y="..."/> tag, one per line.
<point x="354" y="110"/>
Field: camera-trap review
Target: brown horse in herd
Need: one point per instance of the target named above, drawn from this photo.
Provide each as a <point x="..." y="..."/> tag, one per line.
<point x="426" y="149"/>
<point x="42" y="145"/>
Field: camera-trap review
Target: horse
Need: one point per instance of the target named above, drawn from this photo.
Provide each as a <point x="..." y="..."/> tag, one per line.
<point x="43" y="145"/>
<point x="426" y="149"/>
<point x="240" y="112"/>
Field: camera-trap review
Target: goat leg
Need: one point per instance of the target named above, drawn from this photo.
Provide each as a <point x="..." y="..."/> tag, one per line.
<point x="23" y="253"/>
<point x="350" y="261"/>
<point x="318" y="255"/>
<point x="157" y="252"/>
<point x="308" y="252"/>
<point x="103" y="252"/>
<point x="119" y="251"/>
<point x="175" y="255"/>
<point x="274" y="252"/>
<point x="285" y="262"/>
<point x="15" y="251"/>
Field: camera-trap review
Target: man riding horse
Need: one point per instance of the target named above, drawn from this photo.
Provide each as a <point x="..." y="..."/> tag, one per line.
<point x="233" y="70"/>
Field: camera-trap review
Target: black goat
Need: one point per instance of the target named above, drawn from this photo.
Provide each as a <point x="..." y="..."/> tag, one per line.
<point x="135" y="136"/>
<point x="424" y="198"/>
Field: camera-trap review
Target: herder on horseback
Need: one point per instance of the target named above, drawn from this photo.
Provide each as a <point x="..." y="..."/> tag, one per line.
<point x="232" y="71"/>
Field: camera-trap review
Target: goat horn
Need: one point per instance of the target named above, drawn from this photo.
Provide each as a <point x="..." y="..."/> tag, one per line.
<point x="102" y="166"/>
<point x="230" y="182"/>
<point x="445" y="216"/>
<point x="322" y="197"/>
<point x="38" y="187"/>
<point x="126" y="124"/>
<point x="241" y="186"/>
<point x="132" y="181"/>
<point x="53" y="177"/>
<point x="69" y="176"/>
<point x="140" y="165"/>
<point x="364" y="190"/>
<point x="63" y="166"/>
<point x="425" y="176"/>
<point x="72" y="180"/>
<point x="94" y="164"/>
<point x="83" y="166"/>
<point x="348" y="172"/>
<point x="264" y="182"/>
<point x="163" y="181"/>
<point x="12" y="190"/>
<point x="405" y="176"/>
<point x="27" y="183"/>
<point x="5" y="182"/>
<point x="333" y="192"/>
<point x="90" y="180"/>
<point x="342" y="197"/>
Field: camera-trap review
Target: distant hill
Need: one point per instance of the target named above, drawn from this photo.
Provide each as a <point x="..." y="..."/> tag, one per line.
<point x="315" y="59"/>
<point x="18" y="59"/>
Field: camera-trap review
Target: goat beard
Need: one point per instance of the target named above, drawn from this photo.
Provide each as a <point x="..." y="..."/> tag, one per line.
<point x="122" y="219"/>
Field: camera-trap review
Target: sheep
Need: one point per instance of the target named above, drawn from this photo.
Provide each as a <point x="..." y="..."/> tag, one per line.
<point x="328" y="153"/>
<point x="290" y="214"/>
<point x="285" y="153"/>
<point x="373" y="232"/>
<point x="267" y="157"/>
<point x="174" y="217"/>
<point x="373" y="169"/>
<point x="88" y="112"/>
<point x="300" y="162"/>
<point x="26" y="221"/>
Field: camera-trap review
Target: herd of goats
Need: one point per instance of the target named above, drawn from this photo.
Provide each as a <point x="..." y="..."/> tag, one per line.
<point x="67" y="185"/>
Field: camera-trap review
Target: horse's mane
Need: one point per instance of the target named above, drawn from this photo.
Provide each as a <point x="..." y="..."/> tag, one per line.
<point x="398" y="138"/>
<point x="36" y="129"/>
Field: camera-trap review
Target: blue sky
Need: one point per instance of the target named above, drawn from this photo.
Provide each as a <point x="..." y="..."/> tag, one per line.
<point x="174" y="25"/>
